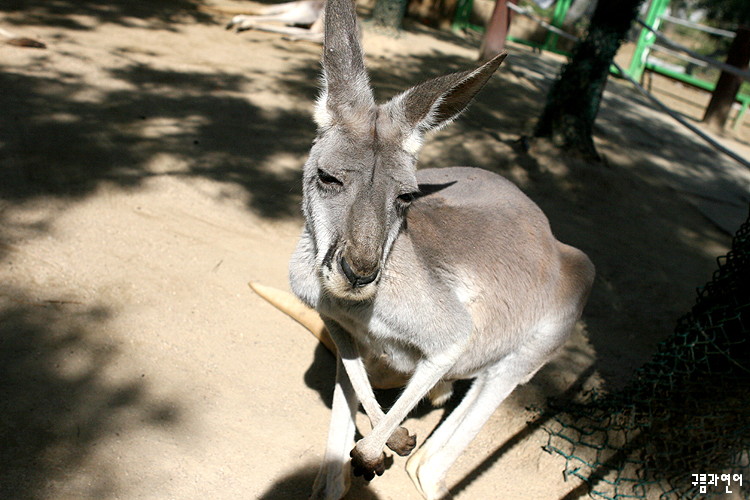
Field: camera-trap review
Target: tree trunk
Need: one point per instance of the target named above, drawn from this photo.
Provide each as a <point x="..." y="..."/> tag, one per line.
<point x="573" y="101"/>
<point x="497" y="31"/>
<point x="389" y="13"/>
<point x="728" y="85"/>
<point x="435" y="13"/>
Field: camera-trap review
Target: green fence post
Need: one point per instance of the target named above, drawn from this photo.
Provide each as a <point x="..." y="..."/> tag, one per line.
<point x="461" y="17"/>
<point x="646" y="39"/>
<point x="558" y="18"/>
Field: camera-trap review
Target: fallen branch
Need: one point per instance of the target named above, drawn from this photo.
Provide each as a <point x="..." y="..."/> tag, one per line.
<point x="20" y="41"/>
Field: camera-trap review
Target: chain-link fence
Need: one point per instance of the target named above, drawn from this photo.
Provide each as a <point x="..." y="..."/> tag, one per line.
<point x="681" y="428"/>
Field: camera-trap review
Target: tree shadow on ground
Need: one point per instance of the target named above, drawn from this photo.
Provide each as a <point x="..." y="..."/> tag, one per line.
<point x="167" y="124"/>
<point x="113" y="140"/>
<point x="298" y="484"/>
<point x="55" y="402"/>
<point x="161" y="14"/>
<point x="62" y="138"/>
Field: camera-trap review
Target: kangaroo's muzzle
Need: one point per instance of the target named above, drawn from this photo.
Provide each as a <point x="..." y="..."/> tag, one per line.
<point x="357" y="280"/>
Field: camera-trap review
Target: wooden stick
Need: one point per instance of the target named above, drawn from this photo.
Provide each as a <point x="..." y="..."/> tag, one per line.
<point x="21" y="41"/>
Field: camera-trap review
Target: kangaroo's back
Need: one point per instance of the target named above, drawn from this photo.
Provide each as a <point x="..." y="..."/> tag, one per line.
<point x="479" y="222"/>
<point x="480" y="239"/>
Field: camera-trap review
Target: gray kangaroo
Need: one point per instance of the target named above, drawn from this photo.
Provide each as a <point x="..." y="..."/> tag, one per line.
<point x="291" y="15"/>
<point x="425" y="276"/>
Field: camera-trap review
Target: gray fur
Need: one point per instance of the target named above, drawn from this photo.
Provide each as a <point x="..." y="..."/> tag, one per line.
<point x="428" y="276"/>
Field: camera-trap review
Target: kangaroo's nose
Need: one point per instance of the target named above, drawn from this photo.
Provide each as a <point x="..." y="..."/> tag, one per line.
<point x="356" y="280"/>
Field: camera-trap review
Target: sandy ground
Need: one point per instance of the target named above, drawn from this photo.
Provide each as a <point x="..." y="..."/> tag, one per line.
<point x="150" y="165"/>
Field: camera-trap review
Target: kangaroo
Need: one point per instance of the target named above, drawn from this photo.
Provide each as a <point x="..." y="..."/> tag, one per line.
<point x="423" y="276"/>
<point x="291" y="15"/>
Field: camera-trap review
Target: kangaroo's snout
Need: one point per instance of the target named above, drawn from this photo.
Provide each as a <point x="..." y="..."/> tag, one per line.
<point x="358" y="278"/>
<point x="364" y="237"/>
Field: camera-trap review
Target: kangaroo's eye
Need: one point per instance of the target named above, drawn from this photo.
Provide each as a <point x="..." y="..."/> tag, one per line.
<point x="328" y="180"/>
<point x="407" y="198"/>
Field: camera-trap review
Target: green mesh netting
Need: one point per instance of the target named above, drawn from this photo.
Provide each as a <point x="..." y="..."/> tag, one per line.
<point x="687" y="411"/>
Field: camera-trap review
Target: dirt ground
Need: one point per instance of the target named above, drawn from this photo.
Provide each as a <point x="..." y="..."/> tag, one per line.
<point x="150" y="167"/>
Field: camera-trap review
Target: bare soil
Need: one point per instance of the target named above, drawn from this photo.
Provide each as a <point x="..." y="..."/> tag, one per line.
<point x="150" y="167"/>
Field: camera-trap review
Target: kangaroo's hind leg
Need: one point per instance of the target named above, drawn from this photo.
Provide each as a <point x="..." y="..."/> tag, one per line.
<point x="438" y="439"/>
<point x="429" y="465"/>
<point x="334" y="476"/>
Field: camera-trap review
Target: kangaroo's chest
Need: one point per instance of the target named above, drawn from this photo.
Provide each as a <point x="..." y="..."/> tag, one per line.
<point x="378" y="341"/>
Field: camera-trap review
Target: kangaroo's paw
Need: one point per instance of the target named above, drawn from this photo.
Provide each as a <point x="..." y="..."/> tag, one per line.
<point x="241" y="23"/>
<point x="402" y="442"/>
<point x="361" y="466"/>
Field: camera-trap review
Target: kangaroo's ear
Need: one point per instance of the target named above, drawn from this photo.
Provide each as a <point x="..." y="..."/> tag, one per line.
<point x="346" y="88"/>
<point x="437" y="102"/>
